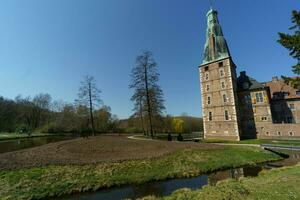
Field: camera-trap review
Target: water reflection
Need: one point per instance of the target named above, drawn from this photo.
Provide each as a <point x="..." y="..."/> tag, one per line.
<point x="160" y="188"/>
<point x="163" y="188"/>
<point x="18" y="144"/>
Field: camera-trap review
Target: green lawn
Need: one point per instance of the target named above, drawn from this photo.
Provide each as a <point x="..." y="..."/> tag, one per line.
<point x="283" y="183"/>
<point x="257" y="141"/>
<point x="7" y="136"/>
<point x="52" y="181"/>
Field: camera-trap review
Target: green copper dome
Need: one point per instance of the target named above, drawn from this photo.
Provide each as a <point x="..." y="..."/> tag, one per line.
<point x="215" y="46"/>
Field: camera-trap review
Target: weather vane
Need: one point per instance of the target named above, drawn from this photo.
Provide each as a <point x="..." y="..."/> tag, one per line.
<point x="211" y="3"/>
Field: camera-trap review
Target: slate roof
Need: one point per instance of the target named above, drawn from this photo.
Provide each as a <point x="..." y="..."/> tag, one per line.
<point x="278" y="88"/>
<point x="253" y="84"/>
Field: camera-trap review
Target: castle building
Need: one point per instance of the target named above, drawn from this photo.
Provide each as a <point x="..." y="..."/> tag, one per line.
<point x="238" y="107"/>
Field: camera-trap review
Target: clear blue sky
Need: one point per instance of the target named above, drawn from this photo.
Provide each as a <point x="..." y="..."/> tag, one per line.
<point x="49" y="45"/>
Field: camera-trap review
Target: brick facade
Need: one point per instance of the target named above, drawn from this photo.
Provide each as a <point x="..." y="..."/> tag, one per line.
<point x="218" y="86"/>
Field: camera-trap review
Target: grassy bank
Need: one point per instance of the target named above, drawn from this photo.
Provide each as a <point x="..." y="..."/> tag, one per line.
<point x="50" y="181"/>
<point x="257" y="141"/>
<point x="8" y="136"/>
<point x="280" y="183"/>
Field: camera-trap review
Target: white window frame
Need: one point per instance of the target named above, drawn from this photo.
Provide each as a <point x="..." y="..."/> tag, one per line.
<point x="259" y="99"/>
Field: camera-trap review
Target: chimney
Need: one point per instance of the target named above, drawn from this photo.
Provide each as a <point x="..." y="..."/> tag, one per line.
<point x="243" y="73"/>
<point x="275" y="78"/>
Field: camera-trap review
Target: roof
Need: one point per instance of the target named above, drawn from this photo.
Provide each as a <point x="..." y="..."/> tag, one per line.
<point x="215" y="46"/>
<point x="252" y="84"/>
<point x="280" y="90"/>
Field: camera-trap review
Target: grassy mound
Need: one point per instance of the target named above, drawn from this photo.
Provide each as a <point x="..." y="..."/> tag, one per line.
<point x="52" y="181"/>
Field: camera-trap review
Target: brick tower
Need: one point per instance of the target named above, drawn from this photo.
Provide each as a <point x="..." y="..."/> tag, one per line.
<point x="218" y="85"/>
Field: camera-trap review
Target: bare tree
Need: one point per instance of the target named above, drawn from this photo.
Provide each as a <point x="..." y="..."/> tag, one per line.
<point x="89" y="96"/>
<point x="148" y="96"/>
<point x="139" y="108"/>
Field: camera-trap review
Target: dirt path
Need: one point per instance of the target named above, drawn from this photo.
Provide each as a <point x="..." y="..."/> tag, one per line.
<point x="93" y="150"/>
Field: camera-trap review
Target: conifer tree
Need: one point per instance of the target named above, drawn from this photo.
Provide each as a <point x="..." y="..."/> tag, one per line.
<point x="292" y="43"/>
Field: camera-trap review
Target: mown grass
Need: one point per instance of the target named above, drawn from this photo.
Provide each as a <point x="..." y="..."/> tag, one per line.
<point x="9" y="136"/>
<point x="256" y="141"/>
<point x="283" y="183"/>
<point x="53" y="181"/>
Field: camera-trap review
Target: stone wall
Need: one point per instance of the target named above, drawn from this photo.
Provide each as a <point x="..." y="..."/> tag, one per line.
<point x="268" y="130"/>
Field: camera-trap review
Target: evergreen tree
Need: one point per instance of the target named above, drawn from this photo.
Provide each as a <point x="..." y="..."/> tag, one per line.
<point x="148" y="96"/>
<point x="292" y="43"/>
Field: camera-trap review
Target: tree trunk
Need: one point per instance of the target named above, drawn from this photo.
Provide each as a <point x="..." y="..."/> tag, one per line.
<point x="141" y="116"/>
<point x="91" y="109"/>
<point x="148" y="100"/>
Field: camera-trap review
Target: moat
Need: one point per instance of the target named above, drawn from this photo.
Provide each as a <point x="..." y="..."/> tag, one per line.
<point x="164" y="188"/>
<point x="24" y="143"/>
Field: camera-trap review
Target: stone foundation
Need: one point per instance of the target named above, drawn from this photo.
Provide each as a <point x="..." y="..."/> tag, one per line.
<point x="277" y="131"/>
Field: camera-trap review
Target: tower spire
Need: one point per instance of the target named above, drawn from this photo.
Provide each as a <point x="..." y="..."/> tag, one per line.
<point x="211" y="4"/>
<point x="215" y="46"/>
